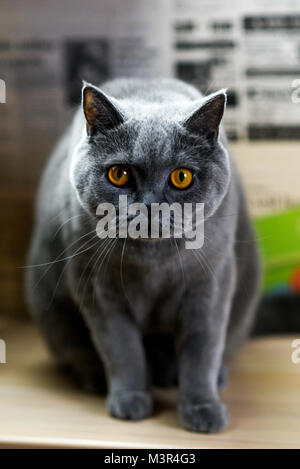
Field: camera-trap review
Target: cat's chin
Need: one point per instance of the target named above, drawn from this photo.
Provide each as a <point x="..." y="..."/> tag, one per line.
<point x="146" y="240"/>
<point x="151" y="241"/>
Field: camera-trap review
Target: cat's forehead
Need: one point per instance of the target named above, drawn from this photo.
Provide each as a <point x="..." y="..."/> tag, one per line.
<point x="146" y="144"/>
<point x="161" y="111"/>
<point x="155" y="142"/>
<point x="153" y="135"/>
<point x="156" y="132"/>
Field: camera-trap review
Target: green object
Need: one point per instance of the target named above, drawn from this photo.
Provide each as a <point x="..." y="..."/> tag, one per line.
<point x="279" y="239"/>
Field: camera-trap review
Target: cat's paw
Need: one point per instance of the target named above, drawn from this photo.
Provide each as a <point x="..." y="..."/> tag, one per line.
<point x="130" y="405"/>
<point x="209" y="417"/>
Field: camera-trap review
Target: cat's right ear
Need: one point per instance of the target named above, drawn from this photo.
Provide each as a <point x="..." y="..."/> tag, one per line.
<point x="206" y="119"/>
<point x="100" y="113"/>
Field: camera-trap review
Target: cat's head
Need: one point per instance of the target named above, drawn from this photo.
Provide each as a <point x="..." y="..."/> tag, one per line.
<point x="152" y="153"/>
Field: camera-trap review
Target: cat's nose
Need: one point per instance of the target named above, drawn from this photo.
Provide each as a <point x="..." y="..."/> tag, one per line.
<point x="149" y="198"/>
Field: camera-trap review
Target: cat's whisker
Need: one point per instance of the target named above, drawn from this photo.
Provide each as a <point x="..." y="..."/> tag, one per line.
<point x="64" y="223"/>
<point x="197" y="259"/>
<point x="50" y="264"/>
<point x="77" y="252"/>
<point x="180" y="261"/>
<point x="121" y="273"/>
<point x="121" y="264"/>
<point x="212" y="247"/>
<point x="209" y="266"/>
<point x="95" y="254"/>
<point x="201" y="257"/>
<point x="107" y="262"/>
<point x="57" y="215"/>
<point x="102" y="245"/>
<point x="101" y="256"/>
<point x="44" y="264"/>
<point x="94" y="258"/>
<point x="58" y="282"/>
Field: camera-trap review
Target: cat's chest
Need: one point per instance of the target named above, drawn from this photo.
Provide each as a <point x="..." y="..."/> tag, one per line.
<point x="153" y="295"/>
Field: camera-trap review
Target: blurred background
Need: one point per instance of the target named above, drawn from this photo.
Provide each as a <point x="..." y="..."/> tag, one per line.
<point x="251" y="47"/>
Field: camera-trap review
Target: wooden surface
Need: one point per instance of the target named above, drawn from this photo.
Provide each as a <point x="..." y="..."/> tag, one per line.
<point x="39" y="407"/>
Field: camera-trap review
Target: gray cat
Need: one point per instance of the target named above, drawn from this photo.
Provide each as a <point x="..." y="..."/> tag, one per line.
<point x="130" y="313"/>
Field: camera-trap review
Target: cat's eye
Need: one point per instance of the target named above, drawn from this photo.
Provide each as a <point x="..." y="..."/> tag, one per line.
<point x="118" y="175"/>
<point x="181" y="178"/>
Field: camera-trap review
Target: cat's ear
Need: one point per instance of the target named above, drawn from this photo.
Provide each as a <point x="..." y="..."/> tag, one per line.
<point x="207" y="118"/>
<point x="100" y="113"/>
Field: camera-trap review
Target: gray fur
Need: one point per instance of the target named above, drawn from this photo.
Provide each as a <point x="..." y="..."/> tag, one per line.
<point x="147" y="311"/>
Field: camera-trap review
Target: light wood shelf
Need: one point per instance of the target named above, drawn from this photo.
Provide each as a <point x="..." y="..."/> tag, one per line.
<point x="40" y="407"/>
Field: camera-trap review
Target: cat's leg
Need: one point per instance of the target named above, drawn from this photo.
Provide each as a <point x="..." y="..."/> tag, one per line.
<point x="161" y="358"/>
<point x="222" y="377"/>
<point x="162" y="361"/>
<point x="202" y="336"/>
<point x="63" y="327"/>
<point x="247" y="291"/>
<point x="245" y="300"/>
<point x="119" y="343"/>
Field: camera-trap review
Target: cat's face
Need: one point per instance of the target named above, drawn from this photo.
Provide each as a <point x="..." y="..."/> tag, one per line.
<point x="151" y="154"/>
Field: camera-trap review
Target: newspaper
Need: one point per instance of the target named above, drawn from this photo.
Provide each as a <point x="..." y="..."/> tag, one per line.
<point x="271" y="43"/>
<point x="207" y="51"/>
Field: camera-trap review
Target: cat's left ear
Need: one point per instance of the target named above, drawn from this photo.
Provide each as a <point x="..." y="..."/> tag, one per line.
<point x="100" y="112"/>
<point x="207" y="118"/>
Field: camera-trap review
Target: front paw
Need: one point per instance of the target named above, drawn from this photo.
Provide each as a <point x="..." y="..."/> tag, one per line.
<point x="130" y="405"/>
<point x="209" y="417"/>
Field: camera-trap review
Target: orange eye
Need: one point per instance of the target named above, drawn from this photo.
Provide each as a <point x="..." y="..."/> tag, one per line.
<point x="181" y="178"/>
<point x="118" y="175"/>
